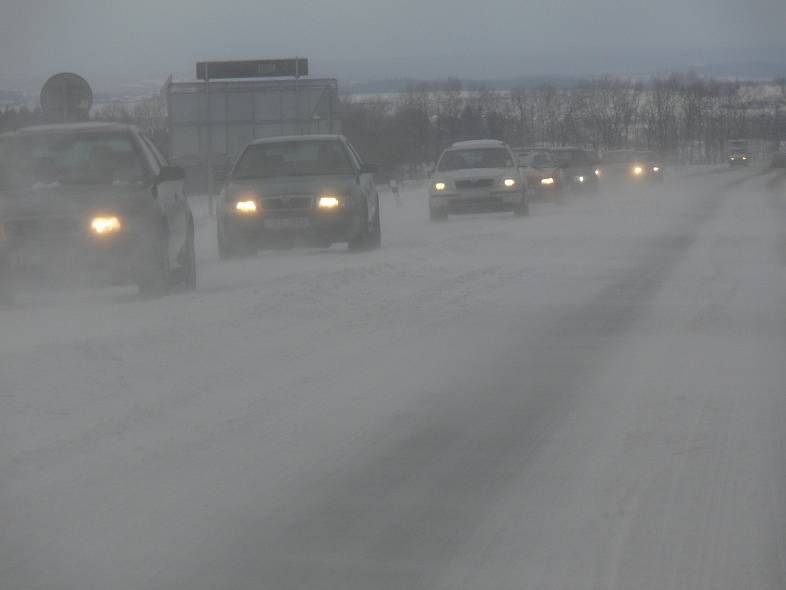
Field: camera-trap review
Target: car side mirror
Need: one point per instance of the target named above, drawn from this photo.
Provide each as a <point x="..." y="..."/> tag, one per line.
<point x="171" y="174"/>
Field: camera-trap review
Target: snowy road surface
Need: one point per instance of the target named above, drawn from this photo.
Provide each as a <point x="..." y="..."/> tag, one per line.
<point x="592" y="398"/>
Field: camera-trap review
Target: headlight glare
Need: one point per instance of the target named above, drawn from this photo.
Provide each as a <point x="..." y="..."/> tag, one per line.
<point x="439" y="186"/>
<point x="246" y="207"/>
<point x="656" y="168"/>
<point x="104" y="225"/>
<point x="509" y="182"/>
<point x="329" y="202"/>
<point x="547" y="181"/>
<point x="638" y="170"/>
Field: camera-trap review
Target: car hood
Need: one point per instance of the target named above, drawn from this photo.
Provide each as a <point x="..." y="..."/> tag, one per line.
<point x="294" y="185"/>
<point x="53" y="200"/>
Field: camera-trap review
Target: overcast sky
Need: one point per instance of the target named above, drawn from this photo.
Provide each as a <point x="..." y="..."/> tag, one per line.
<point x="147" y="39"/>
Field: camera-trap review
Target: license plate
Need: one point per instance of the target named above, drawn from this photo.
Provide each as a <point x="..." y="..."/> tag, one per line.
<point x="287" y="223"/>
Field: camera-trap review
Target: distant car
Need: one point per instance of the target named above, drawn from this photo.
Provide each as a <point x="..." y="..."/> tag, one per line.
<point x="738" y="153"/>
<point x="94" y="202"/>
<point x="577" y="167"/>
<point x="310" y="189"/>
<point x="477" y="176"/>
<point x="778" y="160"/>
<point x="630" y="166"/>
<point x="542" y="174"/>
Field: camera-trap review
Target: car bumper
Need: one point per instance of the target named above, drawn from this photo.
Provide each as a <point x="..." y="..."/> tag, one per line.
<point x="112" y="260"/>
<point x="306" y="226"/>
<point x="475" y="201"/>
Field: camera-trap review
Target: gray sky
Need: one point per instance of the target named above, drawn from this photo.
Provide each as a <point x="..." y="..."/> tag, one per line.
<point x="138" y="39"/>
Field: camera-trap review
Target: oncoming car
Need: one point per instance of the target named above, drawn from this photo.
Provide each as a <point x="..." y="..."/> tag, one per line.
<point x="312" y="189"/>
<point x="477" y="176"/>
<point x="542" y="174"/>
<point x="738" y="153"/>
<point x="630" y="166"/>
<point x="93" y="203"/>
<point x="577" y="167"/>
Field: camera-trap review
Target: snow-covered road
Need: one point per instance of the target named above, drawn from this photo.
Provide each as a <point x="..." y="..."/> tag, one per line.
<point x="592" y="398"/>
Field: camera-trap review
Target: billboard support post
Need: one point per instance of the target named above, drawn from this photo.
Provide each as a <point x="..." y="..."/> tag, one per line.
<point x="209" y="155"/>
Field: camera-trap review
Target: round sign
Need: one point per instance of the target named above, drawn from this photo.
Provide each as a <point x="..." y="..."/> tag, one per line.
<point x="66" y="97"/>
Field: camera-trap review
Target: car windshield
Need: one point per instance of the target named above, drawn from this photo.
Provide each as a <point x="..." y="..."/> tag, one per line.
<point x="468" y="159"/>
<point x="649" y="157"/>
<point x="88" y="158"/>
<point x="619" y="157"/>
<point x="568" y="157"/>
<point x="541" y="160"/>
<point x="293" y="158"/>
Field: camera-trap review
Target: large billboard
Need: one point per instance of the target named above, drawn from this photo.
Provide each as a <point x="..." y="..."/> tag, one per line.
<point x="230" y="114"/>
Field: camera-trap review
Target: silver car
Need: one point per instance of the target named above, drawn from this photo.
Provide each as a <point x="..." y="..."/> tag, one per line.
<point x="310" y="189"/>
<point x="477" y="176"/>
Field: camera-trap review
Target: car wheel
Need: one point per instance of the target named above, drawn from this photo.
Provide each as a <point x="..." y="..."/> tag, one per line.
<point x="361" y="240"/>
<point x="186" y="277"/>
<point x="522" y="209"/>
<point x="156" y="281"/>
<point x="376" y="234"/>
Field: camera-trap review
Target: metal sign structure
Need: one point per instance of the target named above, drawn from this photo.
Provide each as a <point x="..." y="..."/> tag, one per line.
<point x="261" y="68"/>
<point x="66" y="98"/>
<point x="209" y="129"/>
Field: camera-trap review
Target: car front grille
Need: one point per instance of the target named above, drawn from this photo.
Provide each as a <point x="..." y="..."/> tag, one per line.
<point x="287" y="202"/>
<point x="479" y="183"/>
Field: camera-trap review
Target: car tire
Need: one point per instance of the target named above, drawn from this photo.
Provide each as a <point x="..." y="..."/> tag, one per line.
<point x="522" y="209"/>
<point x="361" y="240"/>
<point x="375" y="239"/>
<point x="186" y="277"/>
<point x="156" y="281"/>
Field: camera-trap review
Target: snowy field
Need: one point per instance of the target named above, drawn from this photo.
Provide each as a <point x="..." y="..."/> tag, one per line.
<point x="591" y="398"/>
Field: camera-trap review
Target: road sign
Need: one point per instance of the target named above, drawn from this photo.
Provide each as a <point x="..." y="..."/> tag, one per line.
<point x="66" y="97"/>
<point x="263" y="68"/>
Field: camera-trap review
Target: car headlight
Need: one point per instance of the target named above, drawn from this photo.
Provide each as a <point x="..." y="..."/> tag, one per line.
<point x="329" y="202"/>
<point x="439" y="186"/>
<point x="580" y="179"/>
<point x="597" y="172"/>
<point x="547" y="181"/>
<point x="509" y="182"/>
<point x="246" y="207"/>
<point x="104" y="225"/>
<point x="638" y="170"/>
<point x="656" y="168"/>
<point x="744" y="157"/>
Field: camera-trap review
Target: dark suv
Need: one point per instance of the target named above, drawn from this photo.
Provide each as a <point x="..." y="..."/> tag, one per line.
<point x="311" y="189"/>
<point x="94" y="203"/>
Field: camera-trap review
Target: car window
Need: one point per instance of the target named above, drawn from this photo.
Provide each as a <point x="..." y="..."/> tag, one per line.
<point x="94" y="158"/>
<point x="465" y="159"/>
<point x="293" y="158"/>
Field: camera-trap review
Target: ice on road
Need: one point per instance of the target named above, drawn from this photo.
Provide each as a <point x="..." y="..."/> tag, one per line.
<point x="590" y="398"/>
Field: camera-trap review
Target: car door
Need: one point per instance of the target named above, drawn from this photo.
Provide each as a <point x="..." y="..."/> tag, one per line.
<point x="171" y="198"/>
<point x="367" y="184"/>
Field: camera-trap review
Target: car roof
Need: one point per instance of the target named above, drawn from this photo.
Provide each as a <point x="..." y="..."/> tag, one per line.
<point x="478" y="143"/>
<point x="288" y="138"/>
<point x="86" y="127"/>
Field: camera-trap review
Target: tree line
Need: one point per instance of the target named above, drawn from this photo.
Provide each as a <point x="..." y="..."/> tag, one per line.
<point x="686" y="118"/>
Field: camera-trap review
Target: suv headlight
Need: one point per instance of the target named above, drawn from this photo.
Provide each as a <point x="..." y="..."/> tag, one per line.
<point x="440" y="186"/>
